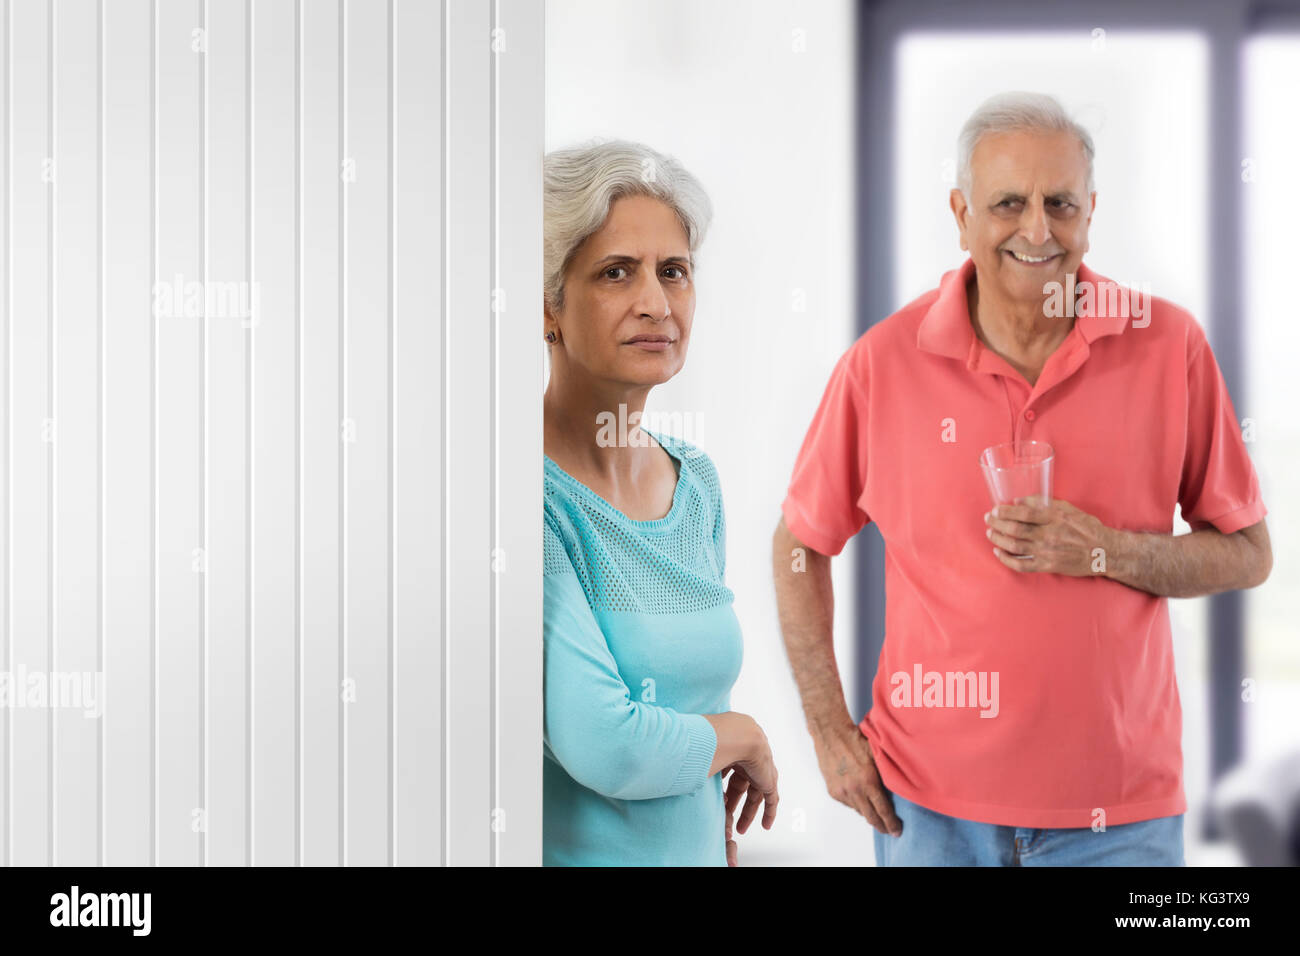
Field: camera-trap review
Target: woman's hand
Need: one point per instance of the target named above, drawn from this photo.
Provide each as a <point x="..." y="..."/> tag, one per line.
<point x="740" y="784"/>
<point x="731" y="844"/>
<point x="755" y="780"/>
<point x="743" y="752"/>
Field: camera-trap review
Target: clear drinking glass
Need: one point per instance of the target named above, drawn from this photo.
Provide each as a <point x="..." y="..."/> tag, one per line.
<point x="1018" y="469"/>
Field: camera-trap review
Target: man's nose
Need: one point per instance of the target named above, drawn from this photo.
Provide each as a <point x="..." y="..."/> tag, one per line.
<point x="1033" y="224"/>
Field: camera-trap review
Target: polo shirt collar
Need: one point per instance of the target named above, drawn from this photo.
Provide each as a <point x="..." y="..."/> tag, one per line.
<point x="946" y="328"/>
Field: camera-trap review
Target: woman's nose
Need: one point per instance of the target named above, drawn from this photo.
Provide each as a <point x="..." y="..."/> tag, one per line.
<point x="650" y="298"/>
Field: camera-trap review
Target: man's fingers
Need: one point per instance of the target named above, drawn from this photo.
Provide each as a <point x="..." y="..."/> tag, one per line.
<point x="1015" y="563"/>
<point x="1012" y="529"/>
<point x="860" y="788"/>
<point x="864" y="807"/>
<point x="882" y="815"/>
<point x="885" y="807"/>
<point x="1030" y="510"/>
<point x="857" y="801"/>
<point x="874" y="805"/>
<point x="1009" y="542"/>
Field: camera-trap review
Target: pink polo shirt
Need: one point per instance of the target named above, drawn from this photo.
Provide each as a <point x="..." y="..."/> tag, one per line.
<point x="1023" y="699"/>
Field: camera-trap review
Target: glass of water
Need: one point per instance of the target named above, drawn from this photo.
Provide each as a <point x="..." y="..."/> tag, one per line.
<point x="1018" y="469"/>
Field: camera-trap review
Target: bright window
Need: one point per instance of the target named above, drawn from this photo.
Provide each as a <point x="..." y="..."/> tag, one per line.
<point x="1271" y="340"/>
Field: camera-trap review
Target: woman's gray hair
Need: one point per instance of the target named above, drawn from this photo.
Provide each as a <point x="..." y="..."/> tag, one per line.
<point x="1016" y="111"/>
<point x="581" y="184"/>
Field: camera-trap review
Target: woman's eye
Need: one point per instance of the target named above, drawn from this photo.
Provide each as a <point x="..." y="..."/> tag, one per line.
<point x="681" y="274"/>
<point x="614" y="269"/>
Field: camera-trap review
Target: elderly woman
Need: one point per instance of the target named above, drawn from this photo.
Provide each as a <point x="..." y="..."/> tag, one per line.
<point x="641" y="643"/>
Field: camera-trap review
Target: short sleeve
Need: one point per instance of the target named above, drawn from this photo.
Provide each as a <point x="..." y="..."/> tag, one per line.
<point x="1218" y="487"/>
<point x="604" y="739"/>
<point x="822" y="507"/>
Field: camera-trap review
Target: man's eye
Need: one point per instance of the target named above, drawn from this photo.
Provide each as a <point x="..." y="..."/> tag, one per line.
<point x="614" y="269"/>
<point x="681" y="274"/>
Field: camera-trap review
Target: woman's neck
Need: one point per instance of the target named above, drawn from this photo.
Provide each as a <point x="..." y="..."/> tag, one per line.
<point x="591" y="426"/>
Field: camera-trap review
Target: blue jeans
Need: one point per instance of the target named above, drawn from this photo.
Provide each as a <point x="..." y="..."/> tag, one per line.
<point x="933" y="839"/>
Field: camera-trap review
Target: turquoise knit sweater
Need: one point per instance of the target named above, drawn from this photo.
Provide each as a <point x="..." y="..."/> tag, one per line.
<point x="640" y="642"/>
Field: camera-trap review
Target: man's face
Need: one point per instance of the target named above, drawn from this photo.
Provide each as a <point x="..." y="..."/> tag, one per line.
<point x="1027" y="201"/>
<point x="629" y="296"/>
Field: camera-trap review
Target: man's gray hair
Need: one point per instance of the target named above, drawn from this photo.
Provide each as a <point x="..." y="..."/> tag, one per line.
<point x="580" y="185"/>
<point x="1016" y="111"/>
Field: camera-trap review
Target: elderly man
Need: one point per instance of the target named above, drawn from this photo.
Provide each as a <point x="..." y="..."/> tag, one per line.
<point x="1025" y="710"/>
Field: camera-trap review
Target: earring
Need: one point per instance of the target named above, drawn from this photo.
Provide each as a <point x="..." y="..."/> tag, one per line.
<point x="550" y="336"/>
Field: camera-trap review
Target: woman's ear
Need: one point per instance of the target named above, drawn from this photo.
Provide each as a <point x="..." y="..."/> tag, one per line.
<point x="550" y="327"/>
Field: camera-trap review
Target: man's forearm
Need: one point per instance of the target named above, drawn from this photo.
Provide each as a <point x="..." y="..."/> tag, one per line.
<point x="1185" y="565"/>
<point x="806" y="607"/>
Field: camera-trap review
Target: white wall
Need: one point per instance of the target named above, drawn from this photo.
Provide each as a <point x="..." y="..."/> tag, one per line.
<point x="756" y="100"/>
<point x="299" y="543"/>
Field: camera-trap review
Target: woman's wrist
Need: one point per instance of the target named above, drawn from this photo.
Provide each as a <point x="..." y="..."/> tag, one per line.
<point x="739" y="739"/>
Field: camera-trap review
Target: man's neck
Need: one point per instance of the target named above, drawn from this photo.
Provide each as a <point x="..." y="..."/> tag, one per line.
<point x="1019" y="331"/>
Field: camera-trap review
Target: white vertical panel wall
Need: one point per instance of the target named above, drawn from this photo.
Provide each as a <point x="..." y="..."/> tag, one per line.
<point x="272" y="449"/>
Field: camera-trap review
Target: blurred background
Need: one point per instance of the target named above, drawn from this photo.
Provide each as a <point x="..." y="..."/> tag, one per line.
<point x="825" y="132"/>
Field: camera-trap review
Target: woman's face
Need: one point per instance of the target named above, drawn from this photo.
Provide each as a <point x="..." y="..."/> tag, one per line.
<point x="629" y="297"/>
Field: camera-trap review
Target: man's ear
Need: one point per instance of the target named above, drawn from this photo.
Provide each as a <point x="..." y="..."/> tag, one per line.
<point x="957" y="203"/>
<point x="1092" y="207"/>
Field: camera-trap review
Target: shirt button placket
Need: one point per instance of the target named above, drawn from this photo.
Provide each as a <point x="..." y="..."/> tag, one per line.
<point x="1022" y="424"/>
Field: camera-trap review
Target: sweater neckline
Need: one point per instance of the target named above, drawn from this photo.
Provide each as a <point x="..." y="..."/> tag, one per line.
<point x="655" y="524"/>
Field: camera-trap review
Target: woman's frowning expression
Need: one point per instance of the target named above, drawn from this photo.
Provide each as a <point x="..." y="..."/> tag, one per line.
<point x="629" y="296"/>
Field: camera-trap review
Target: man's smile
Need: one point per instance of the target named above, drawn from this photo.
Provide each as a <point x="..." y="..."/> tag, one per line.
<point x="1032" y="260"/>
